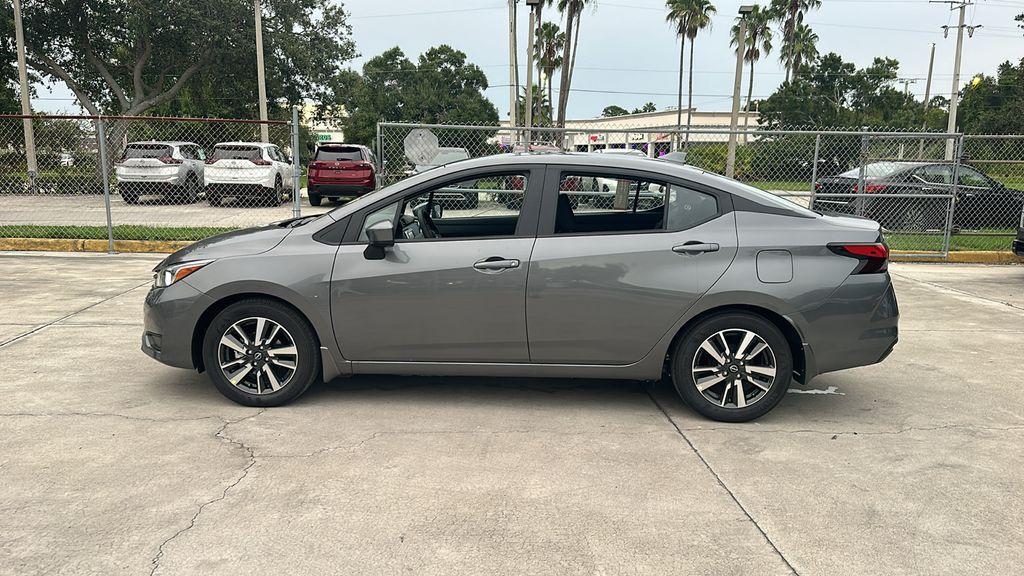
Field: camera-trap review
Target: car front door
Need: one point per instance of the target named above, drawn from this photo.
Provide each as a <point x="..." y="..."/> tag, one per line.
<point x="453" y="286"/>
<point x="610" y="276"/>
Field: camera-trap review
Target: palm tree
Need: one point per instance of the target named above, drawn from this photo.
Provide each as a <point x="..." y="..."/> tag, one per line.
<point x="540" y="27"/>
<point x="572" y="9"/>
<point x="803" y="49"/>
<point x="758" y="43"/>
<point x="547" y="52"/>
<point x="689" y="17"/>
<point x="541" y="106"/>
<point x="791" y="13"/>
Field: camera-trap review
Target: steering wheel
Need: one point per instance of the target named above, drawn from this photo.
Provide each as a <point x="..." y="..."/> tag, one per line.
<point x="422" y="213"/>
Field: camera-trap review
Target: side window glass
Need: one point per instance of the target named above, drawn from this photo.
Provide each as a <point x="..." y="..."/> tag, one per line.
<point x="687" y="208"/>
<point x="200" y="153"/>
<point x="385" y="214"/>
<point x="597" y="204"/>
<point x="488" y="205"/>
<point x="971" y="177"/>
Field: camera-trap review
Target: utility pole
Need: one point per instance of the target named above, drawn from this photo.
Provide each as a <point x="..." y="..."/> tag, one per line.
<point x="927" y="100"/>
<point x="26" y="107"/>
<point x="954" y="98"/>
<point x="741" y="51"/>
<point x="906" y="85"/>
<point x="260" y="73"/>
<point x="529" y="71"/>
<point x="513" y="70"/>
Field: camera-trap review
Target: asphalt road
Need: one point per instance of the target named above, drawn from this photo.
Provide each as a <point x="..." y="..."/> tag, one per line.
<point x="114" y="464"/>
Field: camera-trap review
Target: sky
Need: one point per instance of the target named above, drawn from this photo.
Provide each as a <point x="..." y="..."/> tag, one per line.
<point x="629" y="55"/>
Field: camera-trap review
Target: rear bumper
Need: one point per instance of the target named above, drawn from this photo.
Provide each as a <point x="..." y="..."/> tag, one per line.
<point x="1018" y="243"/>
<point x="330" y="189"/>
<point x="857" y="326"/>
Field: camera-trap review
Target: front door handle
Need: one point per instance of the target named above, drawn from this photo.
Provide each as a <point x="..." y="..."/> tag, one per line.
<point x="496" y="263"/>
<point x="695" y="248"/>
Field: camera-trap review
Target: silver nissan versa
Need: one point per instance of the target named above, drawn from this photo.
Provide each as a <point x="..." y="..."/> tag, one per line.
<point x="732" y="291"/>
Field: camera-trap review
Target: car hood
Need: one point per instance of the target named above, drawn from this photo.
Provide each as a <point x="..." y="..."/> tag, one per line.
<point x="238" y="243"/>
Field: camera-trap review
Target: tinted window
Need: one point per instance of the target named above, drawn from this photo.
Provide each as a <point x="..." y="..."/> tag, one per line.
<point x="236" y="153"/>
<point x="936" y="174"/>
<point x="188" y="152"/>
<point x="590" y="203"/>
<point x="688" y="208"/>
<point x="385" y="214"/>
<point x="877" y="170"/>
<point x="971" y="177"/>
<point x="485" y="206"/>
<point x="336" y="153"/>
<point x="147" y="151"/>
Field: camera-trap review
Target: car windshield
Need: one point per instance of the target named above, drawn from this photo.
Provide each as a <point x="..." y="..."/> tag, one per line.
<point x="877" y="170"/>
<point x="449" y="156"/>
<point x="236" y="153"/>
<point x="336" y="153"/>
<point x="147" y="151"/>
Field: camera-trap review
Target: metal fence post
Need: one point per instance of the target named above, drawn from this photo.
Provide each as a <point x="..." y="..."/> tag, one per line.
<point x="296" y="165"/>
<point x="101" y="137"/>
<point x="814" y="167"/>
<point x="951" y="206"/>
<point x="865" y="143"/>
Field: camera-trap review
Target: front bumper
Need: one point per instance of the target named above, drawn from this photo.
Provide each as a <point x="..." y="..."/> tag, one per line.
<point x="170" y="317"/>
<point x="1018" y="243"/>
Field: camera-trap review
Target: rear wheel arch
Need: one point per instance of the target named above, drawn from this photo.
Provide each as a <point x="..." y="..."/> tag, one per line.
<point x="206" y="318"/>
<point x="785" y="326"/>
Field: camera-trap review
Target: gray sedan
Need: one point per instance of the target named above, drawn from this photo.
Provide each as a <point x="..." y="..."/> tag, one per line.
<point x="732" y="291"/>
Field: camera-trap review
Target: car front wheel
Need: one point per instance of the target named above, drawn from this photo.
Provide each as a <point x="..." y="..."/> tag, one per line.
<point x="733" y="367"/>
<point x="261" y="353"/>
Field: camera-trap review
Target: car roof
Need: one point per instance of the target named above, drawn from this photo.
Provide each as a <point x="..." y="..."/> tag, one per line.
<point x="259" y="144"/>
<point x="164" y="142"/>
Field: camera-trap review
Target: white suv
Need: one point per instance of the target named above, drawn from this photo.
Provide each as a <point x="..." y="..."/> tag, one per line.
<point x="248" y="170"/>
<point x="173" y="170"/>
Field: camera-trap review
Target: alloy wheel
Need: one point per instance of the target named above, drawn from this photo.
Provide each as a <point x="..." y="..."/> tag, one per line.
<point x="734" y="368"/>
<point x="257" y="355"/>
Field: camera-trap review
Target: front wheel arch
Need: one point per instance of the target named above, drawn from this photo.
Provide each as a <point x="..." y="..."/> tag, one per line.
<point x="199" y="332"/>
<point x="787" y="328"/>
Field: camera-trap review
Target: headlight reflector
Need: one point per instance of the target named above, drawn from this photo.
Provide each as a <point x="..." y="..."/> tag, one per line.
<point x="164" y="277"/>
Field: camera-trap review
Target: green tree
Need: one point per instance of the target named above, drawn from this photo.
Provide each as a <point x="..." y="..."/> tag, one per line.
<point x="648" y="107"/>
<point x="548" y="53"/>
<point x="442" y="88"/>
<point x="758" y="43"/>
<point x="791" y="14"/>
<point x="573" y="10"/>
<point x="9" y="103"/>
<point x="802" y="48"/>
<point x="689" y="17"/>
<point x="131" y="58"/>
<point x="613" y="110"/>
<point x="994" y="105"/>
<point x="541" y="106"/>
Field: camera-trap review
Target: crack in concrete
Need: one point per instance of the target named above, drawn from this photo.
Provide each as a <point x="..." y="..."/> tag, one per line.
<point x="102" y="415"/>
<point x="721" y="483"/>
<point x="65" y="317"/>
<point x="155" y="562"/>
<point x="855" y="433"/>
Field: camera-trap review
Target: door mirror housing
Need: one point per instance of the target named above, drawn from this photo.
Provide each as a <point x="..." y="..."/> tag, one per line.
<point x="382" y="237"/>
<point x="436" y="211"/>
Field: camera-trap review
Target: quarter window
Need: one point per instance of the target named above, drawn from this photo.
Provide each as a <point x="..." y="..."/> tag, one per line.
<point x="688" y="208"/>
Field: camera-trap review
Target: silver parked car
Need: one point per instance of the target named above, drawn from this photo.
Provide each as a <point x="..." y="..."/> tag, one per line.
<point x="731" y="290"/>
<point x="172" y="170"/>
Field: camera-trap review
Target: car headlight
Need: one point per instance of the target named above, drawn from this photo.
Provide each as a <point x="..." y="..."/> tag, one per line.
<point x="164" y="277"/>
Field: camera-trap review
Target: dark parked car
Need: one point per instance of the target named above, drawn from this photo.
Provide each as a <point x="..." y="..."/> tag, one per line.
<point x="1018" y="243"/>
<point x="980" y="202"/>
<point x="730" y="289"/>
<point x="341" y="170"/>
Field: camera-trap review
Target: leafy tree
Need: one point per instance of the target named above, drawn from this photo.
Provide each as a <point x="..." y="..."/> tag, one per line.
<point x="791" y="14"/>
<point x="573" y="10"/>
<point x="9" y="103"/>
<point x="689" y="17"/>
<point x="995" y="105"/>
<point x="549" y="46"/>
<point x="648" y="107"/>
<point x="442" y="88"/>
<point x="132" y="58"/>
<point x="758" y="42"/>
<point x="613" y="110"/>
<point x="541" y="106"/>
<point x="802" y="48"/>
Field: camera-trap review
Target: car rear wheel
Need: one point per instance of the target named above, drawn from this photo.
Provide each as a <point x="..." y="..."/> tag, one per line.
<point x="259" y="352"/>
<point x="315" y="199"/>
<point x="733" y="367"/>
<point x="274" y="194"/>
<point x="212" y="197"/>
<point x="129" y="195"/>
<point x="190" y="191"/>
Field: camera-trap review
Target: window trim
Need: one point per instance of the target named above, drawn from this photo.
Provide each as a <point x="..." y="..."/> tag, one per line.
<point x="526" y="227"/>
<point x="553" y="181"/>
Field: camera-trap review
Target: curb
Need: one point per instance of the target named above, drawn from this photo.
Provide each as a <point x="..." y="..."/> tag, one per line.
<point x="965" y="257"/>
<point x="68" y="245"/>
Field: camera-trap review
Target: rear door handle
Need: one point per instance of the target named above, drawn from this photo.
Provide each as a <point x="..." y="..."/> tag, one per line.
<point x="695" y="248"/>
<point x="496" y="263"/>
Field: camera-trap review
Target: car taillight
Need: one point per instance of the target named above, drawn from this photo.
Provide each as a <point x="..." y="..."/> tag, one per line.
<point x="212" y="160"/>
<point x="874" y="257"/>
<point x="817" y="185"/>
<point x="169" y="160"/>
<point x="260" y="161"/>
<point x="872" y="188"/>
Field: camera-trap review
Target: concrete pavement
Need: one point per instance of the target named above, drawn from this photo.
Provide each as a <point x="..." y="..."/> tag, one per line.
<point x="112" y="463"/>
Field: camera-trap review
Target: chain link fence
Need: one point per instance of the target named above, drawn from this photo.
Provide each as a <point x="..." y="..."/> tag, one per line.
<point x="931" y="192"/>
<point x="145" y="178"/>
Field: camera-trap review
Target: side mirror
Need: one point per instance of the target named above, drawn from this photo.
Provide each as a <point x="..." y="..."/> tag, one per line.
<point x="382" y="236"/>
<point x="436" y="211"/>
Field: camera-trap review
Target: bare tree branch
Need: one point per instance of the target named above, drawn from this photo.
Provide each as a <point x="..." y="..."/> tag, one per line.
<point x="176" y="87"/>
<point x="47" y="65"/>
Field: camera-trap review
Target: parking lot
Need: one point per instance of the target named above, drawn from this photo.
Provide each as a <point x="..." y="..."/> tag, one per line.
<point x="113" y="463"/>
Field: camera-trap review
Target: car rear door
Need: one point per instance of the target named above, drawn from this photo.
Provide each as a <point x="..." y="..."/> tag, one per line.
<point x="459" y="297"/>
<point x="606" y="284"/>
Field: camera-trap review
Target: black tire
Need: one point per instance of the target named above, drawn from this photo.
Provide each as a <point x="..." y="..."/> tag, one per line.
<point x="275" y="193"/>
<point x="761" y="401"/>
<point x="129" y="195"/>
<point x="315" y="199"/>
<point x="307" y="365"/>
<point x="212" y="197"/>
<point x="190" y="191"/>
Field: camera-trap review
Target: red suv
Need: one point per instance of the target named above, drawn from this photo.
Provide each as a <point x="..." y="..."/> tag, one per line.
<point x="339" y="170"/>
